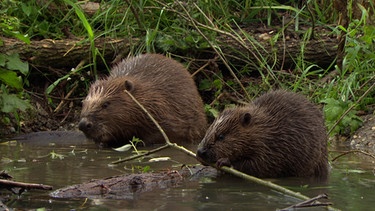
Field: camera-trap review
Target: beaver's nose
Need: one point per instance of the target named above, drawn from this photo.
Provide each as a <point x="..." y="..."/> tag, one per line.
<point x="85" y="125"/>
<point x="202" y="152"/>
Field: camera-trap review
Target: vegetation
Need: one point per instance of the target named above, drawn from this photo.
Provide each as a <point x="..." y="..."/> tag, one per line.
<point x="186" y="29"/>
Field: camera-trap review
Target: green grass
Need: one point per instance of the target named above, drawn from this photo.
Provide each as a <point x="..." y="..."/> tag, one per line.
<point x="189" y="29"/>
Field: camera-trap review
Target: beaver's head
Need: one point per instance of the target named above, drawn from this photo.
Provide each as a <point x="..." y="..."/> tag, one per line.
<point x="238" y="133"/>
<point x="108" y="113"/>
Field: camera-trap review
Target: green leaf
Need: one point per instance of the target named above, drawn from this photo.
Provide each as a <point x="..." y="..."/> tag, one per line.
<point x="11" y="102"/>
<point x="51" y="87"/>
<point x="26" y="9"/>
<point x="214" y="112"/>
<point x="2" y="59"/>
<point x="205" y="84"/>
<point x="10" y="78"/>
<point x="15" y="63"/>
<point x="21" y="37"/>
<point x="146" y="169"/>
<point x="83" y="19"/>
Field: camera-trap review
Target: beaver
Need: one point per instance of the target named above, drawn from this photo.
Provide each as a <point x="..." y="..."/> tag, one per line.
<point x="162" y="85"/>
<point x="279" y="134"/>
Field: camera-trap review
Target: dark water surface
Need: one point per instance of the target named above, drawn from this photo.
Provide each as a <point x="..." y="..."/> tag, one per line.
<point x="351" y="185"/>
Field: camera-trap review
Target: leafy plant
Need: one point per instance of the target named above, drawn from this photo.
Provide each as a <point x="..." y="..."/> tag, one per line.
<point x="353" y="81"/>
<point x="12" y="71"/>
<point x="335" y="121"/>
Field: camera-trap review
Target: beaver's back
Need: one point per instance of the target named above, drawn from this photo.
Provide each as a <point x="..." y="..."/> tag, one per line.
<point x="300" y="124"/>
<point x="152" y="67"/>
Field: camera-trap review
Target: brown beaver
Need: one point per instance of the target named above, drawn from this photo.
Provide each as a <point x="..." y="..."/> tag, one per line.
<point x="280" y="134"/>
<point x="162" y="85"/>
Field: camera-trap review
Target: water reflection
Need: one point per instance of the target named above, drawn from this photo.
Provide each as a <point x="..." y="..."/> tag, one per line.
<point x="350" y="187"/>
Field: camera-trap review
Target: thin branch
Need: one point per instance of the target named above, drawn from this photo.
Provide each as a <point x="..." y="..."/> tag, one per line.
<point x="136" y="15"/>
<point x="263" y="182"/>
<point x="151" y="117"/>
<point x="141" y="154"/>
<point x="12" y="184"/>
<point x="62" y="103"/>
<point x="353" y="151"/>
<point x="174" y="145"/>
<point x="210" y="61"/>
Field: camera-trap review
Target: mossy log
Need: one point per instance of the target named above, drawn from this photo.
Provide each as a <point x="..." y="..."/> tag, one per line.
<point x="68" y="53"/>
<point x="283" y="52"/>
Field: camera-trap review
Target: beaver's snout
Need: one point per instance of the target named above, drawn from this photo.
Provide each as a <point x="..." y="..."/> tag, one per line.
<point x="205" y="156"/>
<point x="202" y="153"/>
<point x="85" y="125"/>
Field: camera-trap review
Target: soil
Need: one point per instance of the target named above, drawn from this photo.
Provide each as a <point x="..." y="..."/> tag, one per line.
<point x="38" y="119"/>
<point x="364" y="137"/>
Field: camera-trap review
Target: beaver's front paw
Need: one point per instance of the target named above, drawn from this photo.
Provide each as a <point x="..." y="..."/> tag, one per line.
<point x="223" y="162"/>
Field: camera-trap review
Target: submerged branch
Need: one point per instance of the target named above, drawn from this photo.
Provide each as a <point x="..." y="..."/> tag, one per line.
<point x="353" y="151"/>
<point x="309" y="203"/>
<point x="12" y="184"/>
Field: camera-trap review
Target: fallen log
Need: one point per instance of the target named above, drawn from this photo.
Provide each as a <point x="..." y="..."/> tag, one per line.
<point x="68" y="53"/>
<point x="130" y="186"/>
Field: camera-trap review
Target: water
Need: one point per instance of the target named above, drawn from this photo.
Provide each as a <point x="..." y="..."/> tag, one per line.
<point x="350" y="187"/>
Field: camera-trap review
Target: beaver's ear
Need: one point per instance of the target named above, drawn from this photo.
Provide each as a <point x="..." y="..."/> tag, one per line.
<point x="246" y="118"/>
<point x="129" y="86"/>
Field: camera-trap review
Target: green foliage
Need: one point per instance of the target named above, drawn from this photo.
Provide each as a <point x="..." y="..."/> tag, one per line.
<point x="10" y="26"/>
<point x="333" y="110"/>
<point x="11" y="97"/>
<point x="344" y="93"/>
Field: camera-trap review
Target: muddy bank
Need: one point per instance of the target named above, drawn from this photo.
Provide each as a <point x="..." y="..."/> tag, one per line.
<point x="364" y="137"/>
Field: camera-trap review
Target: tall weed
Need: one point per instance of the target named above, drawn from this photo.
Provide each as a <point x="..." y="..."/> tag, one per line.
<point x="352" y="88"/>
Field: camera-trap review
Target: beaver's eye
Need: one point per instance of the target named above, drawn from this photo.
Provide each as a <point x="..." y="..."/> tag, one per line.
<point x="105" y="105"/>
<point x="220" y="137"/>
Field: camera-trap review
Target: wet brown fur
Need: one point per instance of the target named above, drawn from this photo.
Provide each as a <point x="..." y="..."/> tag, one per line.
<point x="162" y="85"/>
<point x="280" y="134"/>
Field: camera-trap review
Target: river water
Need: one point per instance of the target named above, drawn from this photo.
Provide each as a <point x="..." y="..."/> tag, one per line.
<point x="351" y="185"/>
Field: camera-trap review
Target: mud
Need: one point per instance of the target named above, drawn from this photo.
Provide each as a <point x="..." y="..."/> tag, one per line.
<point x="364" y="137"/>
